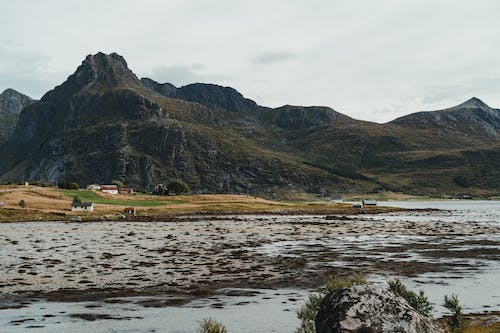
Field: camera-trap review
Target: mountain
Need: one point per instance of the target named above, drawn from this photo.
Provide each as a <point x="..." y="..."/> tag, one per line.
<point x="472" y="118"/>
<point x="104" y="123"/>
<point x="11" y="105"/>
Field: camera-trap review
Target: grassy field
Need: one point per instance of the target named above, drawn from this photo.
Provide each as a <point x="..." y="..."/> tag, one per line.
<point x="92" y="196"/>
<point x="50" y="204"/>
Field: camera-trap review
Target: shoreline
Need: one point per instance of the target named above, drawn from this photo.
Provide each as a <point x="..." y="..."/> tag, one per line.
<point x="174" y="216"/>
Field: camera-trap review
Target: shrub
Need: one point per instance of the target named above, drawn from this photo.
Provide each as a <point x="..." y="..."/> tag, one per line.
<point x="67" y="185"/>
<point x="418" y="301"/>
<point x="22" y="203"/>
<point x="462" y="181"/>
<point x="178" y="187"/>
<point x="160" y="189"/>
<point x="457" y="321"/>
<point x="76" y="199"/>
<point x="307" y="313"/>
<point x="334" y="283"/>
<point x="118" y="184"/>
<point x="211" y="326"/>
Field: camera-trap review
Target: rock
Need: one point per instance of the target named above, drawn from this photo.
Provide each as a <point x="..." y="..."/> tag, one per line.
<point x="370" y="309"/>
<point x="76" y="219"/>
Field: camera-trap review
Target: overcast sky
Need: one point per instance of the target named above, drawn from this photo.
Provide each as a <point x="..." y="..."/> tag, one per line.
<point x="372" y="60"/>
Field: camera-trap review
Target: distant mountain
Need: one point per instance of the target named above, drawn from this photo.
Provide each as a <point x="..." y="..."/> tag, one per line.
<point x="103" y="123"/>
<point x="11" y="105"/>
<point x="473" y="118"/>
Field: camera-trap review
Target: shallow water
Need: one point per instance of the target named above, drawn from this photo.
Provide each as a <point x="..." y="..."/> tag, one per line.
<point x="475" y="278"/>
<point x="269" y="311"/>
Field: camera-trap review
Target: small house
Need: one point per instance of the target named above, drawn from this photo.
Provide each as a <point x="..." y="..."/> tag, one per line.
<point x="127" y="190"/>
<point x="94" y="187"/>
<point x="336" y="198"/>
<point x="2" y="205"/>
<point x="82" y="207"/>
<point x="110" y="189"/>
<point x="130" y="210"/>
<point x="369" y="202"/>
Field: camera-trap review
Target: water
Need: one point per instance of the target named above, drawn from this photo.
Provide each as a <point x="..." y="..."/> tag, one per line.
<point x="475" y="278"/>
<point x="269" y="311"/>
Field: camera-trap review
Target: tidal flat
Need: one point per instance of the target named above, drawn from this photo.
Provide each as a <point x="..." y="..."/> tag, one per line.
<point x="208" y="262"/>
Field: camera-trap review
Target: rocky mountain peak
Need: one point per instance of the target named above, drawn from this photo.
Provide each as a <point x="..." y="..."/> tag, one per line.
<point x="104" y="69"/>
<point x="473" y="103"/>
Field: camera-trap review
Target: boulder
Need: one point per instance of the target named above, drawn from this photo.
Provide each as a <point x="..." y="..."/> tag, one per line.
<point x="372" y="309"/>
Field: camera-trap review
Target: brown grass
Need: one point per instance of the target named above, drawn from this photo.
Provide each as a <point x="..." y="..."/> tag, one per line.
<point x="45" y="203"/>
<point x="493" y="328"/>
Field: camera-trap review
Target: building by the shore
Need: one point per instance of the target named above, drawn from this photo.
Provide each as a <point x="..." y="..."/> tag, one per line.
<point x="130" y="210"/>
<point x="82" y="207"/>
<point x="336" y="198"/>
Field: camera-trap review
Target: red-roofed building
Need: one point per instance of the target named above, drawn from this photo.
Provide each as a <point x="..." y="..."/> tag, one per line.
<point x="111" y="189"/>
<point x="130" y="210"/>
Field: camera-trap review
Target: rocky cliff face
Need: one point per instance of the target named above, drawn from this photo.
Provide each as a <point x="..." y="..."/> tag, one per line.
<point x="103" y="123"/>
<point x="11" y="105"/>
<point x="370" y="309"/>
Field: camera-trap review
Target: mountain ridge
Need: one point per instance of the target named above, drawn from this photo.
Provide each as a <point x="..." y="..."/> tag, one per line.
<point x="103" y="123"/>
<point x="472" y="117"/>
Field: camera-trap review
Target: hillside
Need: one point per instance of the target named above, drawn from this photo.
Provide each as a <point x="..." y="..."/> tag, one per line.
<point x="11" y="105"/>
<point x="104" y="123"/>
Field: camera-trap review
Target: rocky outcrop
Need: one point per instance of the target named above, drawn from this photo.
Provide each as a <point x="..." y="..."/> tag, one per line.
<point x="370" y="309"/>
<point x="11" y="105"/>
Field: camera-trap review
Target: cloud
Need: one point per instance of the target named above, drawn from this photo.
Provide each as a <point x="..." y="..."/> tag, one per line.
<point x="29" y="73"/>
<point x="270" y="58"/>
<point x="181" y="75"/>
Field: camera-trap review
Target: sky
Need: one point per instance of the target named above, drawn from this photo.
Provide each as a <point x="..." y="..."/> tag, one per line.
<point x="372" y="60"/>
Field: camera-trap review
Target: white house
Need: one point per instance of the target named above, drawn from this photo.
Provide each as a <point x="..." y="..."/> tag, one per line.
<point x="2" y="205"/>
<point x="369" y="202"/>
<point x="336" y="198"/>
<point x="82" y="207"/>
<point x="111" y="189"/>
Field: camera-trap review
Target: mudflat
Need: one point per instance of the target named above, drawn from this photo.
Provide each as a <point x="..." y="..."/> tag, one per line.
<point x="198" y="255"/>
